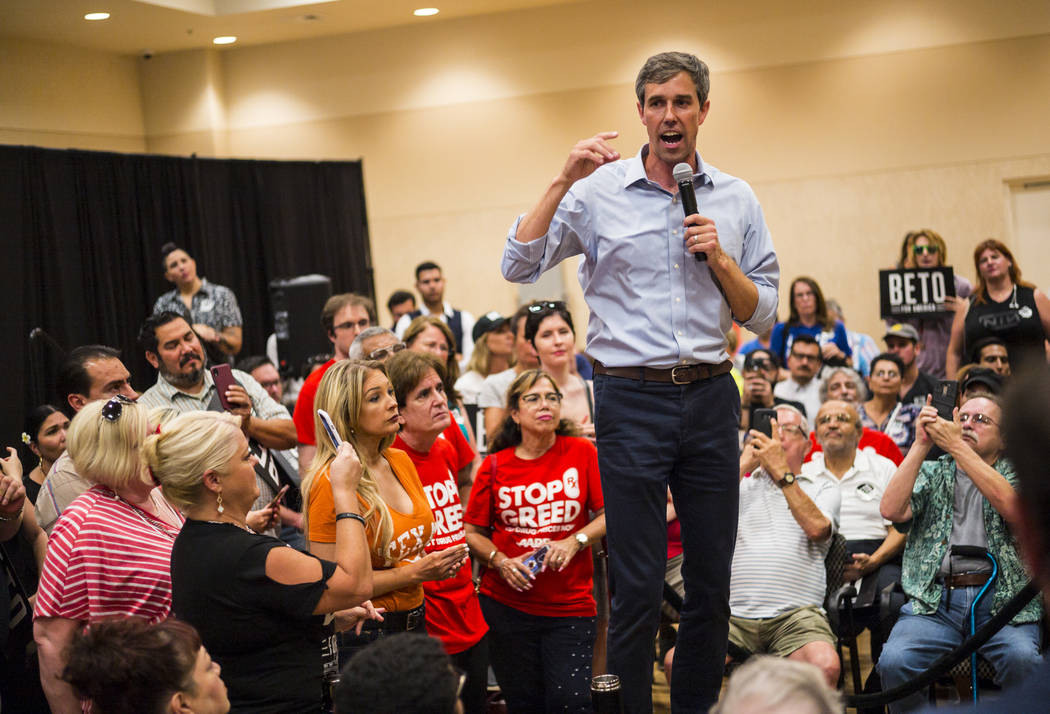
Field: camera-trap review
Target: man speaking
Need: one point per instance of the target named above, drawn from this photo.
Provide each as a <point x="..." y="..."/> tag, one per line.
<point x="666" y="407"/>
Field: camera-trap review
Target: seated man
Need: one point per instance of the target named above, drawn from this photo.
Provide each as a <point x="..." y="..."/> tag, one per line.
<point x="964" y="498"/>
<point x="803" y="385"/>
<point x="873" y="544"/>
<point x="776" y="593"/>
<point x="845" y="384"/>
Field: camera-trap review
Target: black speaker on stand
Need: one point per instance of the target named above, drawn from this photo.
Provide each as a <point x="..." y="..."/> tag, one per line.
<point x="297" y="304"/>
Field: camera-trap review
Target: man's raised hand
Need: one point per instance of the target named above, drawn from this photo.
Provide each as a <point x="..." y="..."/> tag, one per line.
<point x="588" y="155"/>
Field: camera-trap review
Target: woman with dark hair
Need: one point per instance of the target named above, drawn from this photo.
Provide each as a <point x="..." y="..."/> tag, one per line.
<point x="925" y="248"/>
<point x="884" y="411"/>
<point x="1003" y="305"/>
<point x="809" y="316"/>
<point x="211" y="309"/>
<point x="549" y="328"/>
<point x="128" y="666"/>
<point x="45" y="435"/>
<point x="536" y="504"/>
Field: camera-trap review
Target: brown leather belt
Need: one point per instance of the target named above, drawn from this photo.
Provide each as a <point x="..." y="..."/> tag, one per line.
<point x="966" y="580"/>
<point x="680" y="374"/>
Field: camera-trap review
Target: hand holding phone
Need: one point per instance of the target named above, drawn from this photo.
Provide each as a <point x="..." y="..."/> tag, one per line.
<point x="535" y="561"/>
<point x="764" y="421"/>
<point x="944" y="398"/>
<point x="277" y="499"/>
<point x="329" y="428"/>
<point x="222" y="375"/>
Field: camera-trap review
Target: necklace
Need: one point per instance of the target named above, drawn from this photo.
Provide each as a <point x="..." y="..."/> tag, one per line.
<point x="232" y="523"/>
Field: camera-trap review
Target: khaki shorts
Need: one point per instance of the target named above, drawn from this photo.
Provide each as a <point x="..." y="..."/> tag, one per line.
<point x="783" y="634"/>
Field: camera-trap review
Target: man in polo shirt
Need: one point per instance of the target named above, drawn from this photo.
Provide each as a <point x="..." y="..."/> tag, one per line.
<point x="343" y="318"/>
<point x="903" y="340"/>
<point x="185" y="385"/>
<point x="90" y="373"/>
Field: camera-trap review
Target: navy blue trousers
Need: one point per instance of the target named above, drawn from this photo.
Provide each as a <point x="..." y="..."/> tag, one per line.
<point x="651" y="436"/>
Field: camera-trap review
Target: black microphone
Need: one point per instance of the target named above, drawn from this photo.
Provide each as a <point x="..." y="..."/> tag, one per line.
<point x="683" y="175"/>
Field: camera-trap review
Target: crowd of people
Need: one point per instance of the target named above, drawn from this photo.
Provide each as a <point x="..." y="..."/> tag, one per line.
<point x="428" y="501"/>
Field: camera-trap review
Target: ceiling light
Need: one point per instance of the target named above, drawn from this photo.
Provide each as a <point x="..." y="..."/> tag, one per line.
<point x="425" y="11"/>
<point x="97" y="16"/>
<point x="224" y="40"/>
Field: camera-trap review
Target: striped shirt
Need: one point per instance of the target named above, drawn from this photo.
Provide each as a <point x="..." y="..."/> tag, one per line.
<point x="107" y="558"/>
<point x="776" y="568"/>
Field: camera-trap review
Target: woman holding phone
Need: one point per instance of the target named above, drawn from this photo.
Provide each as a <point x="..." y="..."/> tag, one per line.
<point x="535" y="509"/>
<point x="397" y="518"/>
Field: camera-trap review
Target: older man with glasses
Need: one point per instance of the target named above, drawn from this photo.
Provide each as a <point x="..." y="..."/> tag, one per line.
<point x="964" y="498"/>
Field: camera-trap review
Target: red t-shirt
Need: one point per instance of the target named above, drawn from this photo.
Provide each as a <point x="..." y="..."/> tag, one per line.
<point x="303" y="416"/>
<point x="883" y="445"/>
<point x="454" y="435"/>
<point x="528" y="503"/>
<point x="453" y="610"/>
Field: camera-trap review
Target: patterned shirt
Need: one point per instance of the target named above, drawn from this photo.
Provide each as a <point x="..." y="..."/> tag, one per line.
<point x="212" y="305"/>
<point x="899" y="425"/>
<point x="107" y="558"/>
<point x="929" y="532"/>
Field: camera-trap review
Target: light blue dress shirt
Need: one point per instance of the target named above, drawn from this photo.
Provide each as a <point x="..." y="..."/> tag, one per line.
<point x="652" y="304"/>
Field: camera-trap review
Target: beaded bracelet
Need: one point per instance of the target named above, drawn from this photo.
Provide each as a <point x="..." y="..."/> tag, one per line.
<point x="356" y="517"/>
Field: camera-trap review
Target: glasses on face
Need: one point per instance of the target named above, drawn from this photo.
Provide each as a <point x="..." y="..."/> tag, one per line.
<point x="548" y="305"/>
<point x="886" y="374"/>
<point x="792" y="429"/>
<point x="534" y="399"/>
<point x="925" y="249"/>
<point x="115" y="407"/>
<point x="349" y="325"/>
<point x="383" y="352"/>
<point x="978" y="418"/>
<point x="840" y="418"/>
<point x="805" y="358"/>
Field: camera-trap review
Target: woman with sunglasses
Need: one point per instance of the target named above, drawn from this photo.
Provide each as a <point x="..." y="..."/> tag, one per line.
<point x="1004" y="306"/>
<point x="397" y="518"/>
<point x="256" y="601"/>
<point x="925" y="249"/>
<point x="809" y="316"/>
<point x="535" y="509"/>
<point x="549" y="328"/>
<point x="110" y="552"/>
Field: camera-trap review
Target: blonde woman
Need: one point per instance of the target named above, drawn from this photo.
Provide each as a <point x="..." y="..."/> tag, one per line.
<point x="493" y="353"/>
<point x="398" y="519"/>
<point x="110" y="551"/>
<point x="255" y="601"/>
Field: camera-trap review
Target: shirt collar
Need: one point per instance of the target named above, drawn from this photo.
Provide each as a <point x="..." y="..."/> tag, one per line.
<point x="169" y="390"/>
<point x="635" y="171"/>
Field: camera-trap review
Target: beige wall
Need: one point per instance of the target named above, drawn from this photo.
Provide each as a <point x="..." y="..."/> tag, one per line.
<point x="853" y="126"/>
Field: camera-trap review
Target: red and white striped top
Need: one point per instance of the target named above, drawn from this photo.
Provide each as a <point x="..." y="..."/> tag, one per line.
<point x="107" y="558"/>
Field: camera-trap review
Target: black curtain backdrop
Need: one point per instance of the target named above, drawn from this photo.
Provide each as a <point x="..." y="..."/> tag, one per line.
<point x="81" y="233"/>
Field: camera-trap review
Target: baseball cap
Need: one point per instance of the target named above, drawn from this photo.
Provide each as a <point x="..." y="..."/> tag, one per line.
<point x="985" y="376"/>
<point x="901" y="329"/>
<point x="487" y="323"/>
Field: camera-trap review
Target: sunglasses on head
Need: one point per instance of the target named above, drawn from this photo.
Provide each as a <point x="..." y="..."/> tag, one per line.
<point x="115" y="407"/>
<point x="925" y="249"/>
<point x="548" y="305"/>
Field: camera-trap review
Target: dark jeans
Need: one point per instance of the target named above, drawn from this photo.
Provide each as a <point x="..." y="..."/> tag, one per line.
<point x="652" y="435"/>
<point x="474" y="662"/>
<point x="542" y="664"/>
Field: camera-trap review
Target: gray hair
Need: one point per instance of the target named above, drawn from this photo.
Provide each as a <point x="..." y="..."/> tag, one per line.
<point x="774" y="684"/>
<point x="357" y="348"/>
<point x="803" y="422"/>
<point x="852" y="374"/>
<point x="662" y="67"/>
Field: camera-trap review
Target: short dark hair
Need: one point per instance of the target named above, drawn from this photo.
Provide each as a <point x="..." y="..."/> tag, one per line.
<point x="399" y="296"/>
<point x="72" y="375"/>
<point x="427" y="265"/>
<point x="253" y="362"/>
<point x="127" y="666"/>
<point x="749" y="360"/>
<point x="975" y="351"/>
<point x="166" y="250"/>
<point x="803" y="340"/>
<point x="888" y="357"/>
<point x="540" y="311"/>
<point x="337" y="302"/>
<point x="662" y="67"/>
<point x="374" y="679"/>
<point x="148" y="332"/>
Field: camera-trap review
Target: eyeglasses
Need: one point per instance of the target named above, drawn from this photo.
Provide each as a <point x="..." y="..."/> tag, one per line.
<point x="383" y="352"/>
<point x="886" y="374"/>
<point x="360" y="325"/>
<point x="115" y="407"/>
<point x="840" y="418"/>
<point x="792" y="429"/>
<point x="805" y="358"/>
<point x="979" y="418"/>
<point x="925" y="249"/>
<point x="533" y="399"/>
<point x="548" y="305"/>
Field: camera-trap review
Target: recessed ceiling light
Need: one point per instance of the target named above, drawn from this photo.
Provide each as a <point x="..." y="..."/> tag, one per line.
<point x="224" y="40"/>
<point x="425" y="12"/>
<point x="97" y="16"/>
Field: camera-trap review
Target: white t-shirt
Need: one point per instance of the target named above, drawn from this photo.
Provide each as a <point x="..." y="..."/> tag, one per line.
<point x="861" y="490"/>
<point x="808" y="394"/>
<point x="494" y="389"/>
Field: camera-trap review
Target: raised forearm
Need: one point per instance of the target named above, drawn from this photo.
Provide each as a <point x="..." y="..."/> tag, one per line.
<point x="896" y="501"/>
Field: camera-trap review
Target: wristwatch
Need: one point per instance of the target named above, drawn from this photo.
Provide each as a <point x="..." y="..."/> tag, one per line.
<point x="582" y="539"/>
<point x="789" y="478"/>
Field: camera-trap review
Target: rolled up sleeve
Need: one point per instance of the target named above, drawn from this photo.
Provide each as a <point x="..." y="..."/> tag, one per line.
<point x="761" y="266"/>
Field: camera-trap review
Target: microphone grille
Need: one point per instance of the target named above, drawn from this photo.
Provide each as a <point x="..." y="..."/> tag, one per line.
<point x="682" y="172"/>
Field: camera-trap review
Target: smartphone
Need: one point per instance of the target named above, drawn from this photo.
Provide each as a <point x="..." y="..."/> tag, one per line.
<point x="944" y="398"/>
<point x="278" y="497"/>
<point x="763" y="421"/>
<point x="223" y="377"/>
<point x="535" y="561"/>
<point x="329" y="427"/>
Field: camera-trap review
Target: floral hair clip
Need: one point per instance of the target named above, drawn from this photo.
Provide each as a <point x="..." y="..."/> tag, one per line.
<point x="26" y="439"/>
